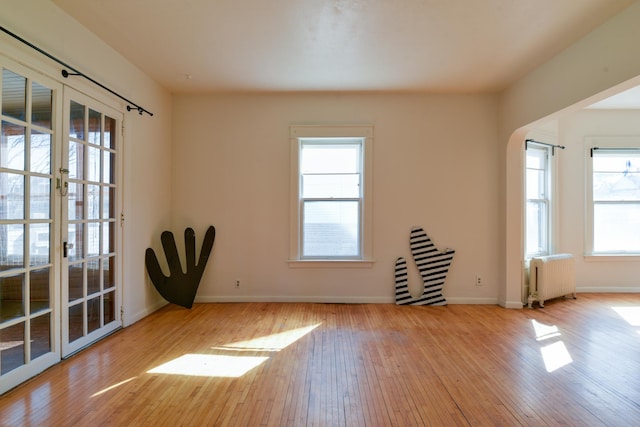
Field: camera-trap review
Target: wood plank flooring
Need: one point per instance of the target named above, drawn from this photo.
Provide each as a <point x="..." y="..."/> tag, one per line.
<point x="573" y="363"/>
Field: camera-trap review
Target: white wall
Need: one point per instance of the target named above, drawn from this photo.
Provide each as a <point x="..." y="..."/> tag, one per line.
<point x="595" y="274"/>
<point x="147" y="176"/>
<point x="435" y="165"/>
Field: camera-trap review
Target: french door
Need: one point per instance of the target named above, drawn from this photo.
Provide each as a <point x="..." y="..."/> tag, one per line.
<point x="59" y="231"/>
<point x="89" y="187"/>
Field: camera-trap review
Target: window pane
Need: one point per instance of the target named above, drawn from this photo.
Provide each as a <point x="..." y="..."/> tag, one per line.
<point x="76" y="201"/>
<point x="11" y="196"/>
<point x="94" y="164"/>
<point x="76" y="160"/>
<point x="12" y="345"/>
<point x="109" y="307"/>
<point x="108" y="203"/>
<point x="324" y="186"/>
<point x="39" y="286"/>
<point x="109" y="266"/>
<point x="615" y="161"/>
<point x="76" y="316"/>
<point x="40" y="335"/>
<point x="39" y="242"/>
<point x="40" y="153"/>
<point x="76" y="120"/>
<point x="40" y="199"/>
<point x="75" y="282"/>
<point x="93" y="239"/>
<point x="76" y="238"/>
<point x="616" y="227"/>
<point x="331" y="229"/>
<point x="536" y="238"/>
<point x="536" y="188"/>
<point x="109" y="132"/>
<point x="93" y="314"/>
<point x="623" y="185"/>
<point x="330" y="158"/>
<point x="536" y="158"/>
<point x="12" y="147"/>
<point x="93" y="276"/>
<point x="41" y="105"/>
<point x="12" y="297"/>
<point x="11" y="246"/>
<point x="108" y="237"/>
<point x="14" y="95"/>
<point x="94" y="127"/>
<point x="109" y="168"/>
<point x="93" y="201"/>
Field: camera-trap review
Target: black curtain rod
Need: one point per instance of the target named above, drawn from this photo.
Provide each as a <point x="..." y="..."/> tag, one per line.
<point x="75" y="72"/>
<point x="553" y="146"/>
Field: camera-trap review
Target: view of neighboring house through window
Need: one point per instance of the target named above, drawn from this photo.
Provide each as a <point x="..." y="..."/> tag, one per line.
<point x="615" y="200"/>
<point x="538" y="197"/>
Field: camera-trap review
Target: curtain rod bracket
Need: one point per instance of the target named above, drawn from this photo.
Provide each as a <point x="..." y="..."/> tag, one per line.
<point x="140" y="110"/>
<point x="66" y="74"/>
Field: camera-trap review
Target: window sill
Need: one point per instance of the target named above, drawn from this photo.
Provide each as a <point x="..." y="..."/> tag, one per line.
<point x="627" y="257"/>
<point x="331" y="263"/>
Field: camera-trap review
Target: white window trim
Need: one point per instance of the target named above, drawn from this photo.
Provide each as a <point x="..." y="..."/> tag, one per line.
<point x="322" y="131"/>
<point x="602" y="142"/>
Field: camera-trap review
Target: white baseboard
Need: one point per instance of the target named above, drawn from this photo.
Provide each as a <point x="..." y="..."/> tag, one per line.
<point x="309" y="299"/>
<point x="472" y="300"/>
<point x="511" y="304"/>
<point x="333" y="300"/>
<point x="604" y="290"/>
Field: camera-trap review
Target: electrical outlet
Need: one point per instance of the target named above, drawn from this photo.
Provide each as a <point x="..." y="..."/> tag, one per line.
<point x="478" y="280"/>
<point x="237" y="283"/>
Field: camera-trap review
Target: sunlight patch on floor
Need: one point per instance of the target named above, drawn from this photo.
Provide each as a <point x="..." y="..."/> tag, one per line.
<point x="218" y="365"/>
<point x="630" y="314"/>
<point x="209" y="365"/>
<point x="104" y="390"/>
<point x="543" y="331"/>
<point x="274" y="342"/>
<point x="555" y="356"/>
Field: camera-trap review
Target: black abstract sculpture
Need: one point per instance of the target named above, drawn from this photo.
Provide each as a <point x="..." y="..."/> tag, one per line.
<point x="180" y="287"/>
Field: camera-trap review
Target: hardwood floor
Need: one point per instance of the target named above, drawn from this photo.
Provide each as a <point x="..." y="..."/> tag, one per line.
<point x="575" y="362"/>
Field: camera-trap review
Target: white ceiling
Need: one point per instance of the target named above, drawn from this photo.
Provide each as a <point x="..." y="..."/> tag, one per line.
<point x="339" y="45"/>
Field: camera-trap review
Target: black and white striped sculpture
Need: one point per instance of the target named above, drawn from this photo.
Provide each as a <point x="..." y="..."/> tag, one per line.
<point x="433" y="265"/>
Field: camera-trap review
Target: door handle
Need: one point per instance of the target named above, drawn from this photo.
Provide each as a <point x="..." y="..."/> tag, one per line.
<point x="65" y="248"/>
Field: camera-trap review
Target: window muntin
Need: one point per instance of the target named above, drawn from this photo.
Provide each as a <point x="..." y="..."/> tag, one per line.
<point x="615" y="200"/>
<point x="538" y="203"/>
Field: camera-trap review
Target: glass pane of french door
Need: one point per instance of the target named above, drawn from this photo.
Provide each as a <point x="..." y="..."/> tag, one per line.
<point x="90" y="285"/>
<point x="29" y="271"/>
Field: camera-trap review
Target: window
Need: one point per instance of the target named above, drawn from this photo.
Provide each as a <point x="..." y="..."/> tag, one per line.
<point x="331" y="193"/>
<point x="614" y="197"/>
<point x="538" y="195"/>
